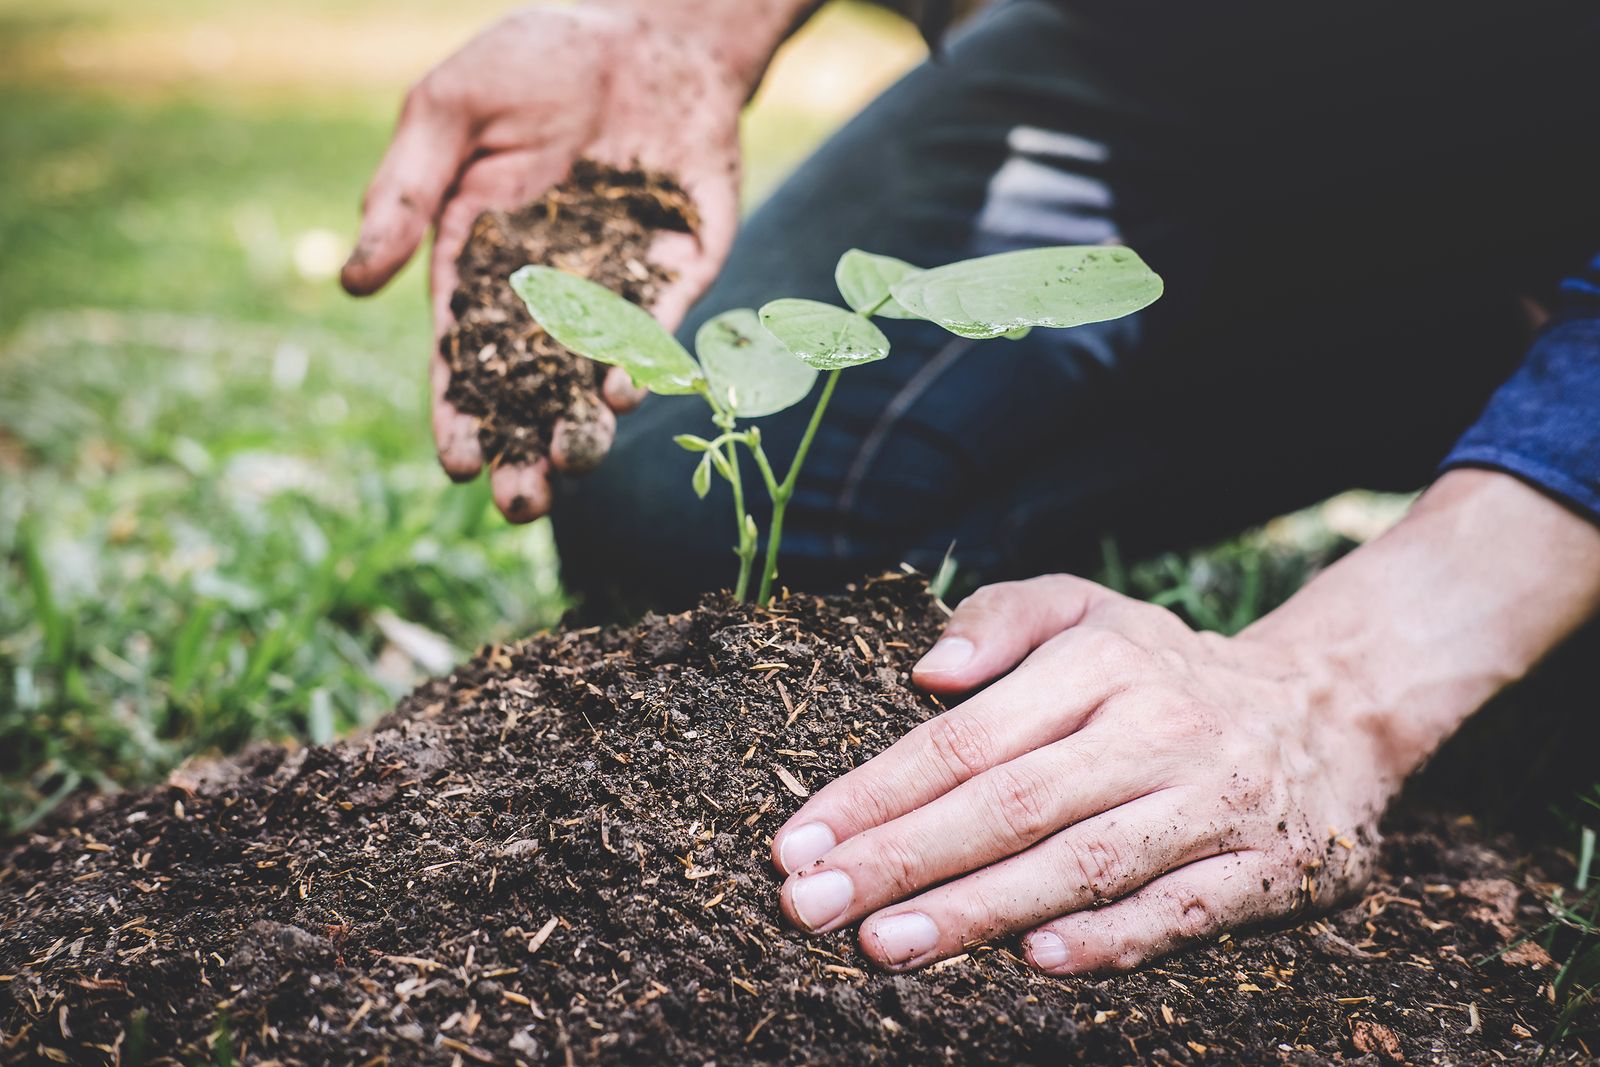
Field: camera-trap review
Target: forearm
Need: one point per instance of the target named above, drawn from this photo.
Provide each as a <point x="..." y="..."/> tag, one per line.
<point x="743" y="34"/>
<point x="1409" y="635"/>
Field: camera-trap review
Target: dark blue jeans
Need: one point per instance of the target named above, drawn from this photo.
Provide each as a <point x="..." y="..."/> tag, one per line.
<point x="1329" y="320"/>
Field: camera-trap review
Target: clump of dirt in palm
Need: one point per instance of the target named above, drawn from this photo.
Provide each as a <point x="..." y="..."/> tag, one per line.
<point x="559" y="854"/>
<point x="504" y="369"/>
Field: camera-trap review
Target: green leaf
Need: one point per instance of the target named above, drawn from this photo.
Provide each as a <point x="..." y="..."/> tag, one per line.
<point x="749" y="369"/>
<point x="824" y="336"/>
<point x="702" y="476"/>
<point x="691" y="443"/>
<point x="1054" y="287"/>
<point x="864" y="279"/>
<point x="595" y="322"/>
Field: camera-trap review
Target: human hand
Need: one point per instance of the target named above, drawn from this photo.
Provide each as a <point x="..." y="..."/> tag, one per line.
<point x="501" y="121"/>
<point x="1129" y="787"/>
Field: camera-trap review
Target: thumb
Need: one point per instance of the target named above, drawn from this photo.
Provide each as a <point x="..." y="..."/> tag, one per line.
<point x="997" y="627"/>
<point x="417" y="171"/>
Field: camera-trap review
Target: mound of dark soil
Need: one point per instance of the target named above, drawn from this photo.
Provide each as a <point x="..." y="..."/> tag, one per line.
<point x="559" y="854"/>
<point x="506" y="370"/>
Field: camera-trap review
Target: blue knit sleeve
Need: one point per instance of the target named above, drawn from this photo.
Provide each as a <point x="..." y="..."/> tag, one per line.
<point x="1543" y="425"/>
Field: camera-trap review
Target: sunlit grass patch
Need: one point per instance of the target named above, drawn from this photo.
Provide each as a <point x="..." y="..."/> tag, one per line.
<point x="219" y="506"/>
<point x="214" y="533"/>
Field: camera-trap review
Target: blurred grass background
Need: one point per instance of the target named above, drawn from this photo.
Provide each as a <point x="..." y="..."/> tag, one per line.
<point x="220" y="515"/>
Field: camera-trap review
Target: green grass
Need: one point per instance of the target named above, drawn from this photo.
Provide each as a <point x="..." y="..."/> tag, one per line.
<point x="208" y="536"/>
<point x="219" y="505"/>
<point x="218" y="492"/>
<point x="185" y="204"/>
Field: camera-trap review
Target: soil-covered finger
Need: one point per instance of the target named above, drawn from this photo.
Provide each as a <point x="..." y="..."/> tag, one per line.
<point x="508" y="373"/>
<point x="620" y="392"/>
<point x="582" y="437"/>
<point x="455" y="435"/>
<point x="522" y="490"/>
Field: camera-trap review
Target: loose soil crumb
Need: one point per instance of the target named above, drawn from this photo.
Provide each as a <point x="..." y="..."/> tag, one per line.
<point x="560" y="855"/>
<point x="505" y="370"/>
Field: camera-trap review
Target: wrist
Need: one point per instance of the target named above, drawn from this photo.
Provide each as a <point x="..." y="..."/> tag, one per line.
<point x="740" y="36"/>
<point x="1401" y="641"/>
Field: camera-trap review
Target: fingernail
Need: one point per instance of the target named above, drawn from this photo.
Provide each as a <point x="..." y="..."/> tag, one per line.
<point x="804" y="845"/>
<point x="1047" y="951"/>
<point x="820" y="898"/>
<point x="950" y="654"/>
<point x="902" y="938"/>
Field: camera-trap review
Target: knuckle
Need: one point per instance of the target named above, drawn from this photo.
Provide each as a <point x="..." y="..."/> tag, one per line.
<point x="1192" y="915"/>
<point x="1093" y="863"/>
<point x="423" y="96"/>
<point x="960" y="744"/>
<point x="897" y="863"/>
<point x="987" y="602"/>
<point x="871" y="799"/>
<point x="1060" y="581"/>
<point x="977" y="916"/>
<point x="1113" y="654"/>
<point x="1190" y="720"/>
<point x="1049" y="586"/>
<point x="1020" y="801"/>
<point x="1248" y="792"/>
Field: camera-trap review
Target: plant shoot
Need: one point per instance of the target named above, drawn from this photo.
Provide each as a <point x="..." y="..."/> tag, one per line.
<point x="751" y="363"/>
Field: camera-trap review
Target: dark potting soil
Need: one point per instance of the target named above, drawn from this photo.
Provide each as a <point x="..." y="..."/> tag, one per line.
<point x="560" y="854"/>
<point x="504" y="369"/>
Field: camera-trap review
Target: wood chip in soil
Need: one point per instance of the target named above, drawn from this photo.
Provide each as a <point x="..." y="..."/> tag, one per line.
<point x="559" y="854"/>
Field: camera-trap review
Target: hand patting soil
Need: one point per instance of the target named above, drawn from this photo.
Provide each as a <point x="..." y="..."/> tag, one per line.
<point x="560" y="854"/>
<point x="504" y="369"/>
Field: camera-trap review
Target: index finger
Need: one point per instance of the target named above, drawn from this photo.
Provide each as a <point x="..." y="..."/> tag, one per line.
<point x="410" y="184"/>
<point x="1044" y="700"/>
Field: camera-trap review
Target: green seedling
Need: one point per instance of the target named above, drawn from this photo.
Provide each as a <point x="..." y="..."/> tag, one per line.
<point x="753" y="363"/>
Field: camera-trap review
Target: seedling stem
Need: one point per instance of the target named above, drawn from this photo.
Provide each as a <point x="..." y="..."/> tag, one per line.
<point x="755" y="363"/>
<point x="784" y="491"/>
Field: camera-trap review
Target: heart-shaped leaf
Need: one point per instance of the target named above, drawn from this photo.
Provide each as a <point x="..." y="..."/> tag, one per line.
<point x="750" y="370"/>
<point x="864" y="279"/>
<point x="595" y="322"/>
<point x="826" y="337"/>
<point x="1055" y="287"/>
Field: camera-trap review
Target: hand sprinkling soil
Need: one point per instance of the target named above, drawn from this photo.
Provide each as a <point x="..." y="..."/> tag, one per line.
<point x="559" y="854"/>
<point x="508" y="372"/>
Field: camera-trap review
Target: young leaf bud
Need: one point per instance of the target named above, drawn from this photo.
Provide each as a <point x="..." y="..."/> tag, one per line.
<point x="702" y="476"/>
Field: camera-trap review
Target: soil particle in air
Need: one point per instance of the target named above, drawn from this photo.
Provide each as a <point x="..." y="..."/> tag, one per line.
<point x="559" y="854"/>
<point x="505" y="370"/>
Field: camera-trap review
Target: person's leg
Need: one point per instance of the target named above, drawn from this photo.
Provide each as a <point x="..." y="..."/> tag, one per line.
<point x="909" y="177"/>
<point x="1182" y="422"/>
